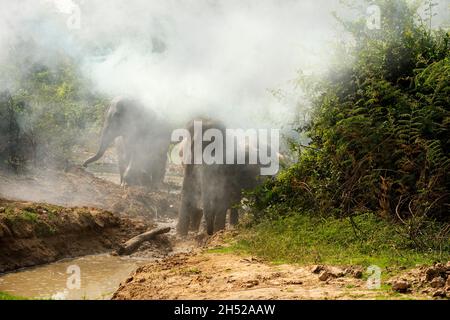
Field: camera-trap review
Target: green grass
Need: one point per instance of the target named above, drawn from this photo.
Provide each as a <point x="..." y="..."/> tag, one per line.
<point x="307" y="240"/>
<point x="16" y="216"/>
<point x="7" y="296"/>
<point x="30" y="216"/>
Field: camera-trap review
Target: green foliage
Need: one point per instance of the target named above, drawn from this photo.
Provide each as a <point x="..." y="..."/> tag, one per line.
<point x="379" y="133"/>
<point x="53" y="106"/>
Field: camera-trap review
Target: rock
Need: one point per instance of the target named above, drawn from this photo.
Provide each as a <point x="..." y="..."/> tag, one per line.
<point x="251" y="283"/>
<point x="435" y="271"/>
<point x="128" y="280"/>
<point x="317" y="268"/>
<point x="439" y="293"/>
<point x="295" y="282"/>
<point x="355" y="272"/>
<point x="2" y="209"/>
<point x="437" y="282"/>
<point x="336" y="272"/>
<point x="401" y="286"/>
<point x="447" y="284"/>
<point x="325" y="275"/>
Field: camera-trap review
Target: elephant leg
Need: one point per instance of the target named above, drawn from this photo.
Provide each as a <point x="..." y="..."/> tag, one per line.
<point x="209" y="195"/>
<point x="134" y="174"/>
<point x="121" y="158"/>
<point x="215" y="211"/>
<point x="189" y="201"/>
<point x="234" y="216"/>
<point x="132" y="177"/>
<point x="215" y="198"/>
<point x="145" y="179"/>
<point x="159" y="170"/>
<point x="209" y="212"/>
<point x="127" y="176"/>
<point x="196" y="218"/>
<point x="220" y="217"/>
<point x="184" y="217"/>
<point x="121" y="171"/>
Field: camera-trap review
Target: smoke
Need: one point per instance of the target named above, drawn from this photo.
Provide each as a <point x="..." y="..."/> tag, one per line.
<point x="181" y="57"/>
<point x="218" y="58"/>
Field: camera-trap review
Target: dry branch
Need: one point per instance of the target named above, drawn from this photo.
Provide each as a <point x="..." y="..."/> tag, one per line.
<point x="133" y="244"/>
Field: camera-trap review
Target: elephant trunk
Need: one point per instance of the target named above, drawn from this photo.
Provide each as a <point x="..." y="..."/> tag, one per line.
<point x="106" y="140"/>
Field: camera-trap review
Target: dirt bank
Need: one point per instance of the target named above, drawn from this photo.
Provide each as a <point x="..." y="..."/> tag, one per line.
<point x="77" y="187"/>
<point x="37" y="233"/>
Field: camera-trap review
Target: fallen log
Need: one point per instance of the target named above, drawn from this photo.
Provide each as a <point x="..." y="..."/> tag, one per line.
<point x="133" y="244"/>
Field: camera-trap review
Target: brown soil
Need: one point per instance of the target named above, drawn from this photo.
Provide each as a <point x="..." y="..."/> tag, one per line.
<point x="202" y="268"/>
<point x="204" y="275"/>
<point x="37" y="233"/>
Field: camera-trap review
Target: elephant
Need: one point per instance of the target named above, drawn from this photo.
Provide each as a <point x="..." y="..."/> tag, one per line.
<point x="209" y="190"/>
<point x="141" y="139"/>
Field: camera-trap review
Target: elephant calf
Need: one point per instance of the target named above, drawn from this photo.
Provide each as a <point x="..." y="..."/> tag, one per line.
<point x="209" y="190"/>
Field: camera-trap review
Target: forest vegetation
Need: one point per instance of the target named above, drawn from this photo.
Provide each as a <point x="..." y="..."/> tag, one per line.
<point x="372" y="186"/>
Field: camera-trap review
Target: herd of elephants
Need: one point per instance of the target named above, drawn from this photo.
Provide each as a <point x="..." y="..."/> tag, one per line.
<point x="142" y="141"/>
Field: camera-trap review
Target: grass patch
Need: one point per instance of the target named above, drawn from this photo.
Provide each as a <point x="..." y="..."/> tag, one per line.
<point x="30" y="216"/>
<point x="190" y="271"/>
<point x="7" y="296"/>
<point x="41" y="218"/>
<point x="309" y="240"/>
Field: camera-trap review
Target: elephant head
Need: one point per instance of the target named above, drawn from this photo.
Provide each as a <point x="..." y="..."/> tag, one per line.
<point x="119" y="121"/>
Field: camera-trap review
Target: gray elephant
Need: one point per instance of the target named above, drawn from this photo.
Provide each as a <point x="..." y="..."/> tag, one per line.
<point x="141" y="139"/>
<point x="209" y="190"/>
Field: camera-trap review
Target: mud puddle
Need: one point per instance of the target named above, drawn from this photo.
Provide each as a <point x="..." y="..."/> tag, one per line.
<point x="88" y="277"/>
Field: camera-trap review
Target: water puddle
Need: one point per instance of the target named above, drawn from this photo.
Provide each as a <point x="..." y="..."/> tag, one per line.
<point x="88" y="277"/>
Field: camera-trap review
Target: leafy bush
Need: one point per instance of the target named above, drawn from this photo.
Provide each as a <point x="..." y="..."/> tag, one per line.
<point x="379" y="133"/>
